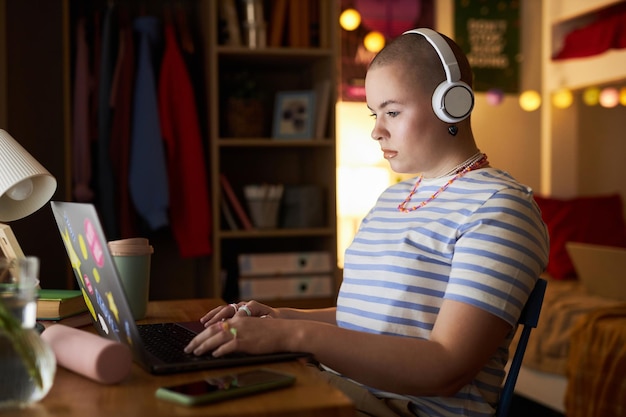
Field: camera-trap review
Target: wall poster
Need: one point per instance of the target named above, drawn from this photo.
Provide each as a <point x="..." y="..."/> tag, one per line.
<point x="488" y="31"/>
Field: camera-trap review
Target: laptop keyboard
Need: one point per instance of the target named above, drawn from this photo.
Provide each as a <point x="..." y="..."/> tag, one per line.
<point x="166" y="341"/>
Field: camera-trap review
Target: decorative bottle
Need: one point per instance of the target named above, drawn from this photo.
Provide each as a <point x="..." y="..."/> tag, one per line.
<point x="27" y="363"/>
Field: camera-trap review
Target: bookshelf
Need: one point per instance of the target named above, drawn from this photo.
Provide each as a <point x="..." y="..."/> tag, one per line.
<point x="231" y="70"/>
<point x="241" y="146"/>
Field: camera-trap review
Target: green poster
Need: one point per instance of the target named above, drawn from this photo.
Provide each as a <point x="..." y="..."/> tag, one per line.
<point x="488" y="31"/>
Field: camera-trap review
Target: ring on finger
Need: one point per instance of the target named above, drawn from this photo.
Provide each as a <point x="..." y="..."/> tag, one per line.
<point x="246" y="309"/>
<point x="225" y="326"/>
<point x="228" y="329"/>
<point x="235" y="306"/>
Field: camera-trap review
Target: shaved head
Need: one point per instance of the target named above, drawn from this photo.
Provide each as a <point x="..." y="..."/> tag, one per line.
<point x="414" y="52"/>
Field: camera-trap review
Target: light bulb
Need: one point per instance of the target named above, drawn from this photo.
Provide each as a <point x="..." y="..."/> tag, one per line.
<point x="494" y="96"/>
<point x="21" y="191"/>
<point x="350" y="19"/>
<point x="591" y="96"/>
<point x="374" y="41"/>
<point x="562" y="98"/>
<point x="609" y="97"/>
<point x="530" y="100"/>
<point x="622" y="96"/>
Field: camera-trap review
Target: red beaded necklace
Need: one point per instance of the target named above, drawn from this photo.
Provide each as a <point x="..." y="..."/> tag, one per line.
<point x="479" y="163"/>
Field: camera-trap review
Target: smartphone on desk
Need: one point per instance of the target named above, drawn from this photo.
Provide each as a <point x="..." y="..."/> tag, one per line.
<point x="224" y="387"/>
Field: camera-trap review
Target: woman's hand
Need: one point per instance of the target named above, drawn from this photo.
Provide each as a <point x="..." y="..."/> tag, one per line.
<point x="241" y="333"/>
<point x="241" y="309"/>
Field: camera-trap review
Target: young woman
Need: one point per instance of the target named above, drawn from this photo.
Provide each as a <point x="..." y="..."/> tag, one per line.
<point x="440" y="268"/>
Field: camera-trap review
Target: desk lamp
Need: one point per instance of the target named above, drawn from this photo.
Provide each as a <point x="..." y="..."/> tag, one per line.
<point x="25" y="186"/>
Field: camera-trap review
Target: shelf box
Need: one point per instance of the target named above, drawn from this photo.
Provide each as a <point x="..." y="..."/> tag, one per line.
<point x="285" y="287"/>
<point x="284" y="263"/>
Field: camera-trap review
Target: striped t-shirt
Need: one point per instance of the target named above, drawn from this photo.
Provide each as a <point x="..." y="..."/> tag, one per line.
<point x="481" y="241"/>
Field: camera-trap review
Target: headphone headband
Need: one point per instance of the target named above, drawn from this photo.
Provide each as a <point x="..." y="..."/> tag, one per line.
<point x="453" y="100"/>
<point x="439" y="44"/>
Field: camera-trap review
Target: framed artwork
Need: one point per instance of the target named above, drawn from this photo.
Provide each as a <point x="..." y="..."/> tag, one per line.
<point x="294" y="115"/>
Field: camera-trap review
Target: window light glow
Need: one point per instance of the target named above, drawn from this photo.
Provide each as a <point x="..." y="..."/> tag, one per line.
<point x="362" y="172"/>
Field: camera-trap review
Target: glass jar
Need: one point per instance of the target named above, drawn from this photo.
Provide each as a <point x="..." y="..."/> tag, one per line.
<point x="27" y="363"/>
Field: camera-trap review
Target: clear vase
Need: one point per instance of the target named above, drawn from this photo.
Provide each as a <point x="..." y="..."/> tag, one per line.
<point x="27" y="363"/>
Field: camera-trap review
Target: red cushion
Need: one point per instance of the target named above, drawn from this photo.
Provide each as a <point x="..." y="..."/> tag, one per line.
<point x="598" y="220"/>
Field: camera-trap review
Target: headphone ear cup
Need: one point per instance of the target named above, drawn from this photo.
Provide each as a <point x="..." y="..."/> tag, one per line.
<point x="453" y="101"/>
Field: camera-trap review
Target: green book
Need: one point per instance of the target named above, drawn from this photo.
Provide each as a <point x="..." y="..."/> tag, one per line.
<point x="55" y="304"/>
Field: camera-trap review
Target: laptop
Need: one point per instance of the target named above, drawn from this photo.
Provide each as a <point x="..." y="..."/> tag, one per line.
<point x="600" y="268"/>
<point x="96" y="274"/>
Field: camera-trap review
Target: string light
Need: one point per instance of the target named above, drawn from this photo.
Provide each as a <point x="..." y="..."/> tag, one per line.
<point x="374" y="41"/>
<point x="562" y="98"/>
<point x="530" y="100"/>
<point x="350" y="19"/>
<point x="495" y="96"/>
<point x="591" y="96"/>
<point x="609" y="97"/>
<point x="622" y="96"/>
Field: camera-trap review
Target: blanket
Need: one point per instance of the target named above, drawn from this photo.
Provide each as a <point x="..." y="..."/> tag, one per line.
<point x="565" y="303"/>
<point x="596" y="366"/>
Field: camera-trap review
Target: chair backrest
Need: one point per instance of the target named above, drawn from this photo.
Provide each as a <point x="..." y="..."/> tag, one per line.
<point x="528" y="319"/>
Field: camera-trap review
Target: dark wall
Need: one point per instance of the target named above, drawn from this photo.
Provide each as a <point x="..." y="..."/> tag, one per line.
<point x="36" y="119"/>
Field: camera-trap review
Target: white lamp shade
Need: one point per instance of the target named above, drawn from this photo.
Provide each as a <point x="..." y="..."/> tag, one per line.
<point x="25" y="185"/>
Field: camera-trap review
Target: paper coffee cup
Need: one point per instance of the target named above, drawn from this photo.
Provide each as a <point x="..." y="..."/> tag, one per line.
<point x="132" y="259"/>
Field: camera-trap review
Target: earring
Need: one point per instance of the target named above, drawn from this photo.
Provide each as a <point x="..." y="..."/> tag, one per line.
<point x="453" y="130"/>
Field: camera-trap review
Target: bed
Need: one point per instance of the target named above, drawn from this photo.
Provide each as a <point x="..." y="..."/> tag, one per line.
<point x="575" y="361"/>
<point x="578" y="332"/>
<point x="556" y="364"/>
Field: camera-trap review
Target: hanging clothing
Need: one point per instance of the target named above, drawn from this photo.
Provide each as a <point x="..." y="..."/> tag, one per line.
<point x="148" y="173"/>
<point x="106" y="190"/>
<point x="81" y="139"/>
<point x="121" y="102"/>
<point x="95" y="80"/>
<point x="190" y="212"/>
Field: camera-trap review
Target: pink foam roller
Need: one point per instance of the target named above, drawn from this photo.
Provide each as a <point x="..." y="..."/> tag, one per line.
<point x="88" y="354"/>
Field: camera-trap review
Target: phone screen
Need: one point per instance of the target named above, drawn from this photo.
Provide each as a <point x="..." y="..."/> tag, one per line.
<point x="228" y="382"/>
<point x="225" y="386"/>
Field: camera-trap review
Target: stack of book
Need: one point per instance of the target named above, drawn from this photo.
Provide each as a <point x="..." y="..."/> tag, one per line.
<point x="273" y="23"/>
<point x="59" y="306"/>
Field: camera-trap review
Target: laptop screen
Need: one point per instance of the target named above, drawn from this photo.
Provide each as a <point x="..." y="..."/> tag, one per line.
<point x="95" y="271"/>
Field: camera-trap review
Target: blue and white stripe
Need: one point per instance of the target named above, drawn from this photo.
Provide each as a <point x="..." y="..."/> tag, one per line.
<point x="481" y="242"/>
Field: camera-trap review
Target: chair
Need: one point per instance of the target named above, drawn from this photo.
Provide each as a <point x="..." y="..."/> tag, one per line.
<point x="528" y="319"/>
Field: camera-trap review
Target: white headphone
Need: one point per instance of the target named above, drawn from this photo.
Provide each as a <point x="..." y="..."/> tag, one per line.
<point x="453" y="100"/>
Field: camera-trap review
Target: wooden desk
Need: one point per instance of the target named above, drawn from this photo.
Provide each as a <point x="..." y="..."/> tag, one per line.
<point x="75" y="395"/>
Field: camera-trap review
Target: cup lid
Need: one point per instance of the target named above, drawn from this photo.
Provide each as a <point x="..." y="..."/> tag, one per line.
<point x="130" y="247"/>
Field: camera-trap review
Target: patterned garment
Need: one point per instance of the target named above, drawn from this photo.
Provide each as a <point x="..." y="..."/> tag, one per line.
<point x="480" y="242"/>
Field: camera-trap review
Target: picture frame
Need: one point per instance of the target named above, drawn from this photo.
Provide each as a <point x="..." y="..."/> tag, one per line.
<point x="294" y="115"/>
